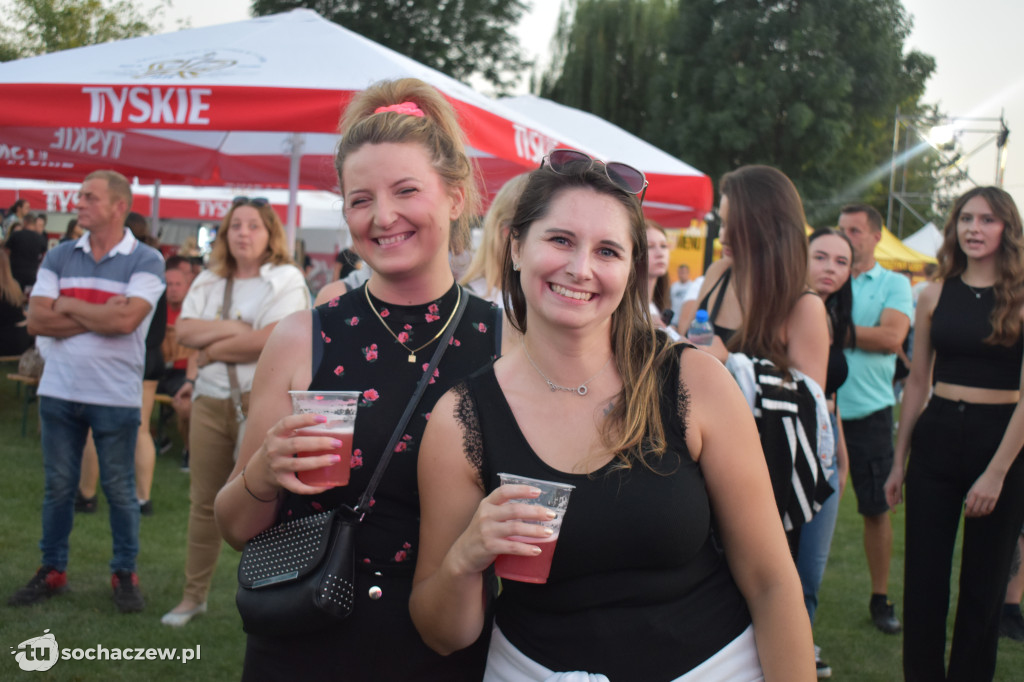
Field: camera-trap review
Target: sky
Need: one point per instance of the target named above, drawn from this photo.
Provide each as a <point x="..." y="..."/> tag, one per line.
<point x="976" y="74"/>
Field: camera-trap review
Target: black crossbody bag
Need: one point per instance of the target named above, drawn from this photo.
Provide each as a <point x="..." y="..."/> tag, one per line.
<point x="299" y="576"/>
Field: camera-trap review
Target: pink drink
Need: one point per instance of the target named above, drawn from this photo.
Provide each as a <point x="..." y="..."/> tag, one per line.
<point x="335" y="474"/>
<point x="527" y="569"/>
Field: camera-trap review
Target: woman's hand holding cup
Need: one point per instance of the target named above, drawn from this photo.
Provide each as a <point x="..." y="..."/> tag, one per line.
<point x="497" y="518"/>
<point x="280" y="449"/>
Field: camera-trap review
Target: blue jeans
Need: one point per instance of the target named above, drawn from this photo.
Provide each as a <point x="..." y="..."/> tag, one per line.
<point x="816" y="541"/>
<point x="65" y="425"/>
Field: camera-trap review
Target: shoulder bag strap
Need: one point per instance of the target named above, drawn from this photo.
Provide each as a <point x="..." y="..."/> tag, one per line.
<point x="363" y="506"/>
<point x="236" y="391"/>
<point x="499" y="323"/>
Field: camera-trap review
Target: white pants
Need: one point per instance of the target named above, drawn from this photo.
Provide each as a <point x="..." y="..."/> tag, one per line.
<point x="737" y="661"/>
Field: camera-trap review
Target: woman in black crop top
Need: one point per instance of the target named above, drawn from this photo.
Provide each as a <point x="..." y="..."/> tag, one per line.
<point x="660" y="446"/>
<point x="966" y="442"/>
<point x="409" y="195"/>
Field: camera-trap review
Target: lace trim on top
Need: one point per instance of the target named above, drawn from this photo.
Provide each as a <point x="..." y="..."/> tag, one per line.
<point x="682" y="407"/>
<point x="472" y="437"/>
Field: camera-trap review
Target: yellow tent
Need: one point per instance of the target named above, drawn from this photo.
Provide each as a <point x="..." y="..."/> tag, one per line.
<point x="890" y="252"/>
<point x="895" y="255"/>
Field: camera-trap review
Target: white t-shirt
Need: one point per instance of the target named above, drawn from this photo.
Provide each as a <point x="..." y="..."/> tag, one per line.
<point x="258" y="301"/>
<point x="479" y="287"/>
<point x="677" y="296"/>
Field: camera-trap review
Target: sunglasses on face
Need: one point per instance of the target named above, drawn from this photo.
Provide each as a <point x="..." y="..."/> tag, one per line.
<point x="623" y="176"/>
<point x="257" y="202"/>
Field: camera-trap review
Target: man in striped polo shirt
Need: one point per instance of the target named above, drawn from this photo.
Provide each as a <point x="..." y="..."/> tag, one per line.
<point x="94" y="297"/>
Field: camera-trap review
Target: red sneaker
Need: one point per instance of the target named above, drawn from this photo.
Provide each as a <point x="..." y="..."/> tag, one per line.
<point x="47" y="582"/>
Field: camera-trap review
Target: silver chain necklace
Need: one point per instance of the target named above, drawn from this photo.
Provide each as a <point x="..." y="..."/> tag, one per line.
<point x="578" y="390"/>
<point x="977" y="294"/>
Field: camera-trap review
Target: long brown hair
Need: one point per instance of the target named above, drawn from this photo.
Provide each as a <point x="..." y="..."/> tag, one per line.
<point x="10" y="290"/>
<point x="1009" y="285"/>
<point x="661" y="285"/>
<point x="437" y="130"/>
<point x="769" y="249"/>
<point x="633" y="428"/>
<point x="222" y="263"/>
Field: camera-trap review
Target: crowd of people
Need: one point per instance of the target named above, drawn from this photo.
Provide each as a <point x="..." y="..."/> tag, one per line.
<point x="568" y="362"/>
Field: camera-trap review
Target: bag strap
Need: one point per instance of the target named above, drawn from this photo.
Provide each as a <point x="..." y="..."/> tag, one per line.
<point x="236" y="390"/>
<point x="499" y="323"/>
<point x="362" y="508"/>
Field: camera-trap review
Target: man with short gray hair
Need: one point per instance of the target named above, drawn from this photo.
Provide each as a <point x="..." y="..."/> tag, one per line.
<point x="94" y="297"/>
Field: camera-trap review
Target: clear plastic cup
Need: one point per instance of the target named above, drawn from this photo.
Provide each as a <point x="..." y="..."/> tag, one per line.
<point x="339" y="407"/>
<point x="535" y="569"/>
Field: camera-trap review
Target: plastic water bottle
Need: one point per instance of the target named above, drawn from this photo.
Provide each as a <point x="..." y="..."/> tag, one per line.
<point x="701" y="332"/>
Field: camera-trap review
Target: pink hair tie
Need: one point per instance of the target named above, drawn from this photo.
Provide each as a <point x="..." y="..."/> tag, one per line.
<point x="408" y="108"/>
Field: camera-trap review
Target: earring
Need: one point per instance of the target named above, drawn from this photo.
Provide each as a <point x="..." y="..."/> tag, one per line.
<point x="515" y="266"/>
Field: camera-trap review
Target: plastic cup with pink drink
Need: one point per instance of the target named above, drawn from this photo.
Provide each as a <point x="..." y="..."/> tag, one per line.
<point x="339" y="408"/>
<point x="535" y="569"/>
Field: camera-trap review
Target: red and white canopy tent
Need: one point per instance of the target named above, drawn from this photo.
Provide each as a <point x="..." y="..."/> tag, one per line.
<point x="60" y="197"/>
<point x="677" y="189"/>
<point x="251" y="103"/>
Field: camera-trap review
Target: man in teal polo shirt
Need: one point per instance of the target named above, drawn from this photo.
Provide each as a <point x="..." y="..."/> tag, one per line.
<point x="882" y="306"/>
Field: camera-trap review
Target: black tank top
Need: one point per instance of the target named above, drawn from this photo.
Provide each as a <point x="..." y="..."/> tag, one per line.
<point x="721" y="285"/>
<point x="838" y="368"/>
<point x="637" y="590"/>
<point x="959" y="323"/>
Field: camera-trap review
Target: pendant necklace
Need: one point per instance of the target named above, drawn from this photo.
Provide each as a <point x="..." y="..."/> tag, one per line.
<point x="413" y="351"/>
<point x="578" y="390"/>
<point x="976" y="292"/>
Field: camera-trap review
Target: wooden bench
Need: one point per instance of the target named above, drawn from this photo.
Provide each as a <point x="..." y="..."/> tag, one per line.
<point x="31" y="383"/>
<point x="9" y="358"/>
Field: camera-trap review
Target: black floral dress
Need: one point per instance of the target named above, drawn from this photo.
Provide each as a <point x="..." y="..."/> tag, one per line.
<point x="353" y="351"/>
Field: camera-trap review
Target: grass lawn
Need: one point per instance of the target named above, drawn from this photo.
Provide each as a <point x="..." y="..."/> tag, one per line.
<point x="86" y="617"/>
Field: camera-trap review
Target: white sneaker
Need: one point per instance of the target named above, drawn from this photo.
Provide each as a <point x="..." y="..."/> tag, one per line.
<point x="824" y="670"/>
<point x="177" y="620"/>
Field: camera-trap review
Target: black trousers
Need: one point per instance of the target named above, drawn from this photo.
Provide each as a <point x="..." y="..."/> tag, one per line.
<point x="951" y="445"/>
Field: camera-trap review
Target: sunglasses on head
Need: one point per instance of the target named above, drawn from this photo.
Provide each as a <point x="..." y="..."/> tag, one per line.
<point x="257" y="202"/>
<point x="623" y="176"/>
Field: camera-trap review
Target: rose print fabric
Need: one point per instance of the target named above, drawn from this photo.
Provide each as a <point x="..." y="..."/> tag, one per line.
<point x="359" y="354"/>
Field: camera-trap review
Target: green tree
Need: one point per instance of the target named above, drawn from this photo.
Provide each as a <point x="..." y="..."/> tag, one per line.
<point x="461" y="38"/>
<point x="808" y="86"/>
<point x="609" y="57"/>
<point x="39" y="26"/>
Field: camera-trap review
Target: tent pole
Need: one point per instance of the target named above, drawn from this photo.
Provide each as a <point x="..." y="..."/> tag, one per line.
<point x="297" y="142"/>
<point x="154" y="223"/>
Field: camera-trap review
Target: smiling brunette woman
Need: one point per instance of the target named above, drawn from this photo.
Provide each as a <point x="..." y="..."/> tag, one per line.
<point x="966" y="442"/>
<point x="410" y="195"/>
<point x="659" y="444"/>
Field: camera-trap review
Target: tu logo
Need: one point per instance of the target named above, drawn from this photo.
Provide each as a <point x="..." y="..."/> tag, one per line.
<point x="37" y="654"/>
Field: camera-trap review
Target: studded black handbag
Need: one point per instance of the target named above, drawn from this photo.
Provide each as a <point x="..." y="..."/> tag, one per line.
<point x="299" y="576"/>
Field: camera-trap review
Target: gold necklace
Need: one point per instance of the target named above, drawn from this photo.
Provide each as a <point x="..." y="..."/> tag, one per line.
<point x="412" y="351"/>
